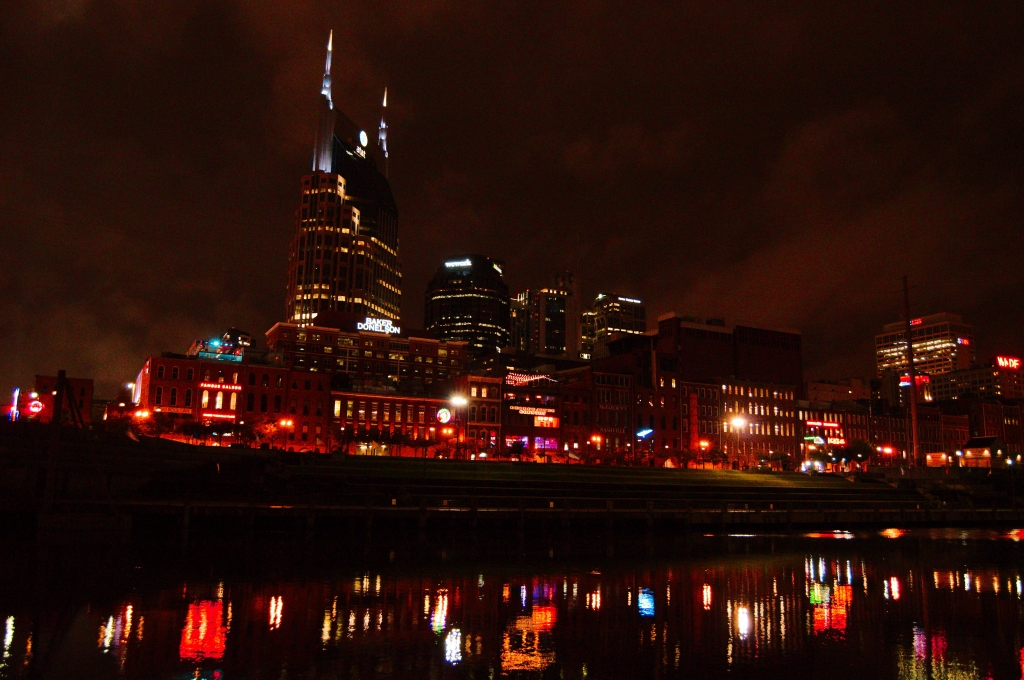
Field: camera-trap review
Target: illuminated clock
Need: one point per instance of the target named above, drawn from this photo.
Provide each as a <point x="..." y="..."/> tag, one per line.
<point x="443" y="415"/>
<point x="363" y="139"/>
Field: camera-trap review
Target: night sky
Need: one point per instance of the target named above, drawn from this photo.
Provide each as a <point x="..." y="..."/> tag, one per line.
<point x="779" y="163"/>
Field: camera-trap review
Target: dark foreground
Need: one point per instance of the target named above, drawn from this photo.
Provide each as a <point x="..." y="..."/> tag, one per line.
<point x="99" y="490"/>
<point x="919" y="604"/>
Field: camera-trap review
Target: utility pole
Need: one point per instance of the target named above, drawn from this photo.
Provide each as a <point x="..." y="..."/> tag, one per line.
<point x="912" y="376"/>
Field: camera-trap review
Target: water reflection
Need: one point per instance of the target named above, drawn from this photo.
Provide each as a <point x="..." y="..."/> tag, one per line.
<point x="925" y="608"/>
<point x="204" y="635"/>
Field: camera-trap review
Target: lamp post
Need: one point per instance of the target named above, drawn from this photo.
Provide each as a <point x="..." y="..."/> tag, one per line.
<point x="285" y="423"/>
<point x="737" y="423"/>
<point x="458" y="403"/>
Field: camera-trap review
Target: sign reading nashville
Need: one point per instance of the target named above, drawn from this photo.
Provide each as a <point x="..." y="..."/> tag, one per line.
<point x="378" y="326"/>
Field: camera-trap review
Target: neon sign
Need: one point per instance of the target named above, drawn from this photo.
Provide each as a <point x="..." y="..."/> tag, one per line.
<point x="918" y="380"/>
<point x="519" y="379"/>
<point x="220" y="386"/>
<point x="230" y="416"/>
<point x="1008" y="362"/>
<point x="634" y="301"/>
<point x="644" y="432"/>
<point x="444" y="415"/>
<point x="14" y="403"/>
<point x="454" y="264"/>
<point x="837" y="441"/>
<point x="819" y="423"/>
<point x="532" y="410"/>
<point x="916" y="322"/>
<point x="378" y="326"/>
<point x="35" y="406"/>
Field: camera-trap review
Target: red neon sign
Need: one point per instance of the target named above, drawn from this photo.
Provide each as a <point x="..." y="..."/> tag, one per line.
<point x="1008" y="362"/>
<point x="820" y="423"/>
<point x="916" y="322"/>
<point x="219" y="415"/>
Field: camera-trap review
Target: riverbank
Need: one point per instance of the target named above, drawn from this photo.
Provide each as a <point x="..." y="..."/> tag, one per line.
<point x="114" y="490"/>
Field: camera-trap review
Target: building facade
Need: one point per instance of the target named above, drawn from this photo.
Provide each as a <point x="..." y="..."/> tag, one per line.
<point x="1000" y="377"/>
<point x="942" y="343"/>
<point x="467" y="299"/>
<point x="368" y="352"/>
<point x="846" y="389"/>
<point x="710" y="350"/>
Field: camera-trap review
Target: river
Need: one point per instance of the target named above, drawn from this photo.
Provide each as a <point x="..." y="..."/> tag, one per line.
<point x="891" y="604"/>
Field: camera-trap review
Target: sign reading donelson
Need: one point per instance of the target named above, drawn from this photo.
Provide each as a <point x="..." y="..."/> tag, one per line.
<point x="378" y="326"/>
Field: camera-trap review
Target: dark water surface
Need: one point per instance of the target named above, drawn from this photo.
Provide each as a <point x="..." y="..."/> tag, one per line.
<point x="927" y="604"/>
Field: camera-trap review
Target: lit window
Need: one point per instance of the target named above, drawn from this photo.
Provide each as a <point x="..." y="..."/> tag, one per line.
<point x="206" y="398"/>
<point x="219" y="402"/>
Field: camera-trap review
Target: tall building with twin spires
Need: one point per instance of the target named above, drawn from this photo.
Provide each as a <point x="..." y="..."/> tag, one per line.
<point x="344" y="254"/>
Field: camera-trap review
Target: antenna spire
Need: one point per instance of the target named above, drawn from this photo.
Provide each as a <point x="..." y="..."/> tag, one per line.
<point x="323" y="147"/>
<point x="326" y="89"/>
<point x="382" y="131"/>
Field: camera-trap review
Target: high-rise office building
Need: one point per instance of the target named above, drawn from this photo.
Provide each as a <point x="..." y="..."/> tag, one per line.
<point x="344" y="255"/>
<point x="942" y="343"/>
<point x="608" y="316"/>
<point x="567" y="281"/>
<point x="539" y="322"/>
<point x="467" y="299"/>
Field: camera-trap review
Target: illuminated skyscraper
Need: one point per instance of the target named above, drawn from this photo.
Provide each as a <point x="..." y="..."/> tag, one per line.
<point x="610" y="315"/>
<point x="344" y="255"/>
<point x="539" y="321"/>
<point x="468" y="300"/>
<point x="942" y="343"/>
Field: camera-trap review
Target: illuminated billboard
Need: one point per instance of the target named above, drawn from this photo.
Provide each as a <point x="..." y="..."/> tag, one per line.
<point x="1008" y="362"/>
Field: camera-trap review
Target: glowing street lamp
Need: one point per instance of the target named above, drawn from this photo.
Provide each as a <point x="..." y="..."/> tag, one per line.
<point x="458" y="402"/>
<point x="285" y="423"/>
<point x="738" y="423"/>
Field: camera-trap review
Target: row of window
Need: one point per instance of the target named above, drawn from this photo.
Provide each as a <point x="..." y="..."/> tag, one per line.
<point x="218" y="399"/>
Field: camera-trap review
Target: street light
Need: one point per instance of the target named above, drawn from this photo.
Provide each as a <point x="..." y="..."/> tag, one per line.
<point x="458" y="402"/>
<point x="285" y="423"/>
<point x="738" y="423"/>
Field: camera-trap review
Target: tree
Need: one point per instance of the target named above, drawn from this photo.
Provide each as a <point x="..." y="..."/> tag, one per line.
<point x="265" y="430"/>
<point x="156" y="425"/>
<point x="717" y="457"/>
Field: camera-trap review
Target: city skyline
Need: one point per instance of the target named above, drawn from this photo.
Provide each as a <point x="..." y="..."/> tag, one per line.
<point x="801" y="216"/>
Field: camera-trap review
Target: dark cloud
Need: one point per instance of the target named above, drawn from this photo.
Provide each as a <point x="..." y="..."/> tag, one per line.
<point x="783" y="163"/>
